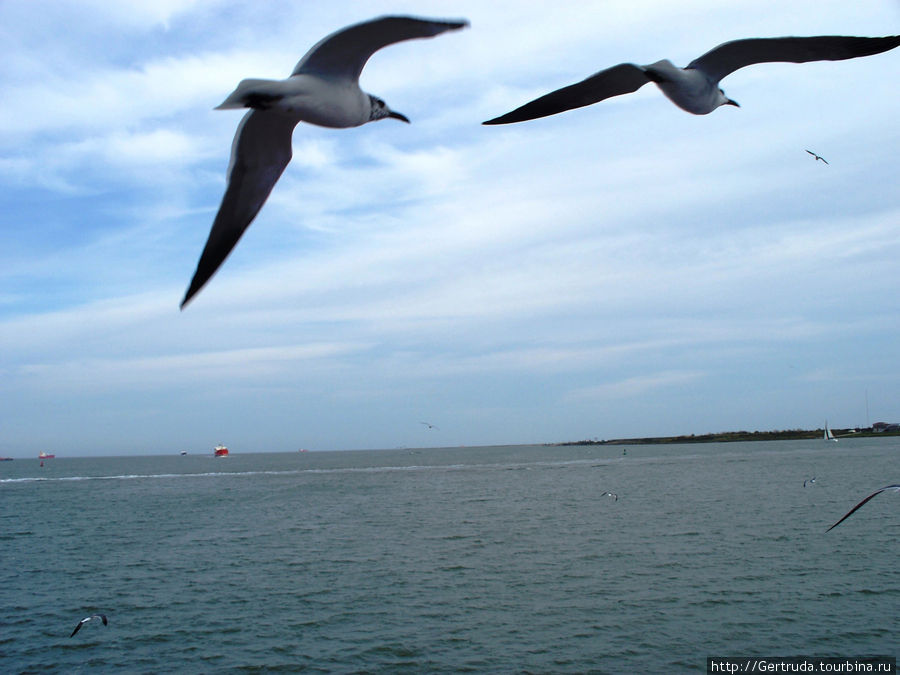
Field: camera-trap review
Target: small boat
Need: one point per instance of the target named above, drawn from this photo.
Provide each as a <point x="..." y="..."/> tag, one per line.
<point x="828" y="435"/>
<point x="220" y="451"/>
<point x="184" y="452"/>
<point x="44" y="455"/>
<point x="6" y="459"/>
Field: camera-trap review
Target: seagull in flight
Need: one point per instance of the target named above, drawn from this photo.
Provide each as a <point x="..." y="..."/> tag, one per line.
<point x="102" y="617"/>
<point x="895" y="488"/>
<point x="323" y="90"/>
<point x="696" y="88"/>
<point x="818" y="157"/>
<point x="611" y="494"/>
<point x="430" y="426"/>
<point x="809" y="480"/>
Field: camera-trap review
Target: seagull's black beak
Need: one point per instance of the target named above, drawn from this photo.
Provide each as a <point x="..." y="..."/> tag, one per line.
<point x="398" y="116"/>
<point x="734" y="103"/>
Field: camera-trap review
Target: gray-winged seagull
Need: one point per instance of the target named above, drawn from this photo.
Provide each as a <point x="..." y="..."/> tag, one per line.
<point x="896" y="488"/>
<point x="322" y="90"/>
<point x="102" y="617"/>
<point x="696" y="88"/>
<point x="817" y="157"/>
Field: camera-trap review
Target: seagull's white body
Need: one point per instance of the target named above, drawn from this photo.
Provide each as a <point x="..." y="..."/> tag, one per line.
<point x="688" y="88"/>
<point x="323" y="90"/>
<point x="696" y="87"/>
<point x="305" y="98"/>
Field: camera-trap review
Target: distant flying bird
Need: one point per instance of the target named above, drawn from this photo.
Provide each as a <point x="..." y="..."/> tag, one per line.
<point x="696" y="88"/>
<point x="817" y="156"/>
<point x="895" y="488"/>
<point x="809" y="480"/>
<point x="430" y="426"/>
<point x="611" y="494"/>
<point x="102" y="617"/>
<point x="322" y="90"/>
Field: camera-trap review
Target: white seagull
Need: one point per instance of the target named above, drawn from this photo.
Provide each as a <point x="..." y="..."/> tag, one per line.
<point x="895" y="488"/>
<point x="611" y="494"/>
<point x="818" y="157"/>
<point x="102" y="617"/>
<point x="322" y="90"/>
<point x="696" y="88"/>
<point x="809" y="480"/>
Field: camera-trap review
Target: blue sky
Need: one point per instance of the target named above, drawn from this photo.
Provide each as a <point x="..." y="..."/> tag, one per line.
<point x="625" y="269"/>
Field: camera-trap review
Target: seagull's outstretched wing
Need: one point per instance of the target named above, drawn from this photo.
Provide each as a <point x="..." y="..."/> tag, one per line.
<point x="102" y="617"/>
<point x="621" y="79"/>
<point x="730" y="56"/>
<point x="344" y="53"/>
<point x="853" y="510"/>
<point x="259" y="154"/>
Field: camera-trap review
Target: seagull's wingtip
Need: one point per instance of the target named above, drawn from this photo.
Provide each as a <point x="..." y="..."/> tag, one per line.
<point x="187" y="298"/>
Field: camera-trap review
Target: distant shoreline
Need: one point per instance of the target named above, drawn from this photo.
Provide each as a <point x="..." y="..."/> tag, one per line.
<point x="732" y="436"/>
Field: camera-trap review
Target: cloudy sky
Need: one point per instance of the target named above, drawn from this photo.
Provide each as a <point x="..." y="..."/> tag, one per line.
<point x="625" y="269"/>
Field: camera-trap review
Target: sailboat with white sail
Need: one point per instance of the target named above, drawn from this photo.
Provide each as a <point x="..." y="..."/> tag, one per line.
<point x="828" y="435"/>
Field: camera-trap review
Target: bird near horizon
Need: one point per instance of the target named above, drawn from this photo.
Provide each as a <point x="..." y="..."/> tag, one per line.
<point x="322" y="90"/>
<point x="695" y="88"/>
<point x="102" y="617"/>
<point x="430" y="426"/>
<point x="818" y="157"/>
<point x="895" y="488"/>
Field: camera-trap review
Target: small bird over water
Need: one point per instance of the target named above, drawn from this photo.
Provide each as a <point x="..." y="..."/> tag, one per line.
<point x="809" y="481"/>
<point x="102" y="617"/>
<point x="322" y="90"/>
<point x="611" y="494"/>
<point x="817" y="156"/>
<point x="430" y="426"/>
<point x="696" y="88"/>
<point x="895" y="488"/>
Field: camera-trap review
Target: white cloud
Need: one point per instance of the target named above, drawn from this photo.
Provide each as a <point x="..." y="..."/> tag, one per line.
<point x="636" y="386"/>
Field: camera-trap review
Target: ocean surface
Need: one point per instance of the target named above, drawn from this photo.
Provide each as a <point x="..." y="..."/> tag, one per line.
<point x="498" y="560"/>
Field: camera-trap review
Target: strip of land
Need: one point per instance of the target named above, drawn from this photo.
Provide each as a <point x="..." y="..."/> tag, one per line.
<point x="730" y="436"/>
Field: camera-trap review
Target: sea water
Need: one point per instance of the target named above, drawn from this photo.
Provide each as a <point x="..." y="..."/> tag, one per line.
<point x="501" y="559"/>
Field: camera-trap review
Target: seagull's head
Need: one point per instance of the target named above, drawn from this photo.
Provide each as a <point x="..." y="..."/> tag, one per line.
<point x="727" y="101"/>
<point x="379" y="110"/>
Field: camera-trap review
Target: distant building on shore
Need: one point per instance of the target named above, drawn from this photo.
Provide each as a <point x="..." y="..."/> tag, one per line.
<point x="881" y="427"/>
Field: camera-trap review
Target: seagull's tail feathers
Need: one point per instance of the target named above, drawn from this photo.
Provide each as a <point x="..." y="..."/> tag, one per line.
<point x="621" y="79"/>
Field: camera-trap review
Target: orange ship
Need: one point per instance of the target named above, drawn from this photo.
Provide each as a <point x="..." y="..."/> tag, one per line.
<point x="220" y="451"/>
